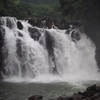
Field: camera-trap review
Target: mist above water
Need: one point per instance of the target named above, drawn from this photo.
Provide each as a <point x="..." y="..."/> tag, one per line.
<point x="46" y="55"/>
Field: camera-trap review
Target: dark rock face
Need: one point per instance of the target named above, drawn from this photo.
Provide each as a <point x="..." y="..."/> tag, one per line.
<point x="2" y="33"/>
<point x="19" y="25"/>
<point x="21" y="55"/>
<point x="36" y="97"/>
<point x="20" y="34"/>
<point x="91" y="93"/>
<point x="75" y="36"/>
<point x="31" y="21"/>
<point x="74" y="33"/>
<point x="50" y="44"/>
<point x="19" y="48"/>
<point x="9" y="23"/>
<point x="34" y="33"/>
<point x="1" y="21"/>
<point x="92" y="88"/>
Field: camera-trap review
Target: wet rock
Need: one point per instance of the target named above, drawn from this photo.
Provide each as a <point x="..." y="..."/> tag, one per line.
<point x="98" y="89"/>
<point x="77" y="96"/>
<point x="65" y="98"/>
<point x="2" y="34"/>
<point x="89" y="93"/>
<point x="75" y="36"/>
<point x="50" y="45"/>
<point x="1" y="21"/>
<point x="97" y="94"/>
<point x="34" y="33"/>
<point x="19" y="48"/>
<point x="9" y="23"/>
<point x="36" y="97"/>
<point x="31" y="21"/>
<point x="98" y="98"/>
<point x="19" y="25"/>
<point x="62" y="98"/>
<point x="20" y="34"/>
<point x="92" y="88"/>
<point x="68" y="98"/>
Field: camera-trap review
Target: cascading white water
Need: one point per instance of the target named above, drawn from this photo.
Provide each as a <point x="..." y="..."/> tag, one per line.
<point x="26" y="59"/>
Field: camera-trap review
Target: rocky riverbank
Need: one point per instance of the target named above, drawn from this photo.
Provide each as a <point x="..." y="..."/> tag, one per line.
<point x="91" y="93"/>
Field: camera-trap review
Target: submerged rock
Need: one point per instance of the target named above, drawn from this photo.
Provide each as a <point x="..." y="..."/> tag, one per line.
<point x="36" y="97"/>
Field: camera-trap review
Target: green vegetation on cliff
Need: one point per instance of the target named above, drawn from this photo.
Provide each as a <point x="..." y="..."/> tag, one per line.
<point x="88" y="12"/>
<point x="29" y="8"/>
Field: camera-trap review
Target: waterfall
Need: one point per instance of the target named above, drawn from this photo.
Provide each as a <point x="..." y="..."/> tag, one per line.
<point x="43" y="55"/>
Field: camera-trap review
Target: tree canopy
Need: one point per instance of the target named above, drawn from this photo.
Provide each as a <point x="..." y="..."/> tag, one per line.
<point x="29" y="8"/>
<point x="87" y="11"/>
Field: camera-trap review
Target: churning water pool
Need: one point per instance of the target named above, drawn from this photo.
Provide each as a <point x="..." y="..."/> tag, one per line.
<point x="22" y="91"/>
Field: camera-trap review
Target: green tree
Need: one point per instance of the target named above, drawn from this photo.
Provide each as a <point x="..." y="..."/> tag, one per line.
<point x="88" y="11"/>
<point x="23" y="14"/>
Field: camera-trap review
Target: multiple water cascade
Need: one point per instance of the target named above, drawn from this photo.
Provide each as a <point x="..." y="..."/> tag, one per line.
<point x="30" y="53"/>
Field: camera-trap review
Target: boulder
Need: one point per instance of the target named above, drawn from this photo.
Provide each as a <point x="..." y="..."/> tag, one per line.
<point x="36" y="97"/>
<point x="98" y="88"/>
<point x="89" y="93"/>
<point x="77" y="96"/>
<point x="92" y="88"/>
<point x="19" y="25"/>
<point x="60" y="98"/>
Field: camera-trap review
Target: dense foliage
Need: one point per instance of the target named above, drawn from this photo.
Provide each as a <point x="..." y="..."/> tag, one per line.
<point x="22" y="9"/>
<point x="88" y="12"/>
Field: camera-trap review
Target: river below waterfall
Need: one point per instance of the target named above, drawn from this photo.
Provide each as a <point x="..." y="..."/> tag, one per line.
<point x="22" y="91"/>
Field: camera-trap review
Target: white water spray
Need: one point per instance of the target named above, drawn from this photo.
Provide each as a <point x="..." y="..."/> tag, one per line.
<point x="28" y="60"/>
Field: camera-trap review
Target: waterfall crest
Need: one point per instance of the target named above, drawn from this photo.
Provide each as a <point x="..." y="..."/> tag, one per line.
<point x="43" y="55"/>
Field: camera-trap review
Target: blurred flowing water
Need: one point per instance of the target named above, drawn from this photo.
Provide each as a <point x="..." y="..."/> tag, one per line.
<point x="44" y="61"/>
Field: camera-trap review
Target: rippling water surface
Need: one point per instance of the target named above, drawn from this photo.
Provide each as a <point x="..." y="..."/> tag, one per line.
<point x="22" y="91"/>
